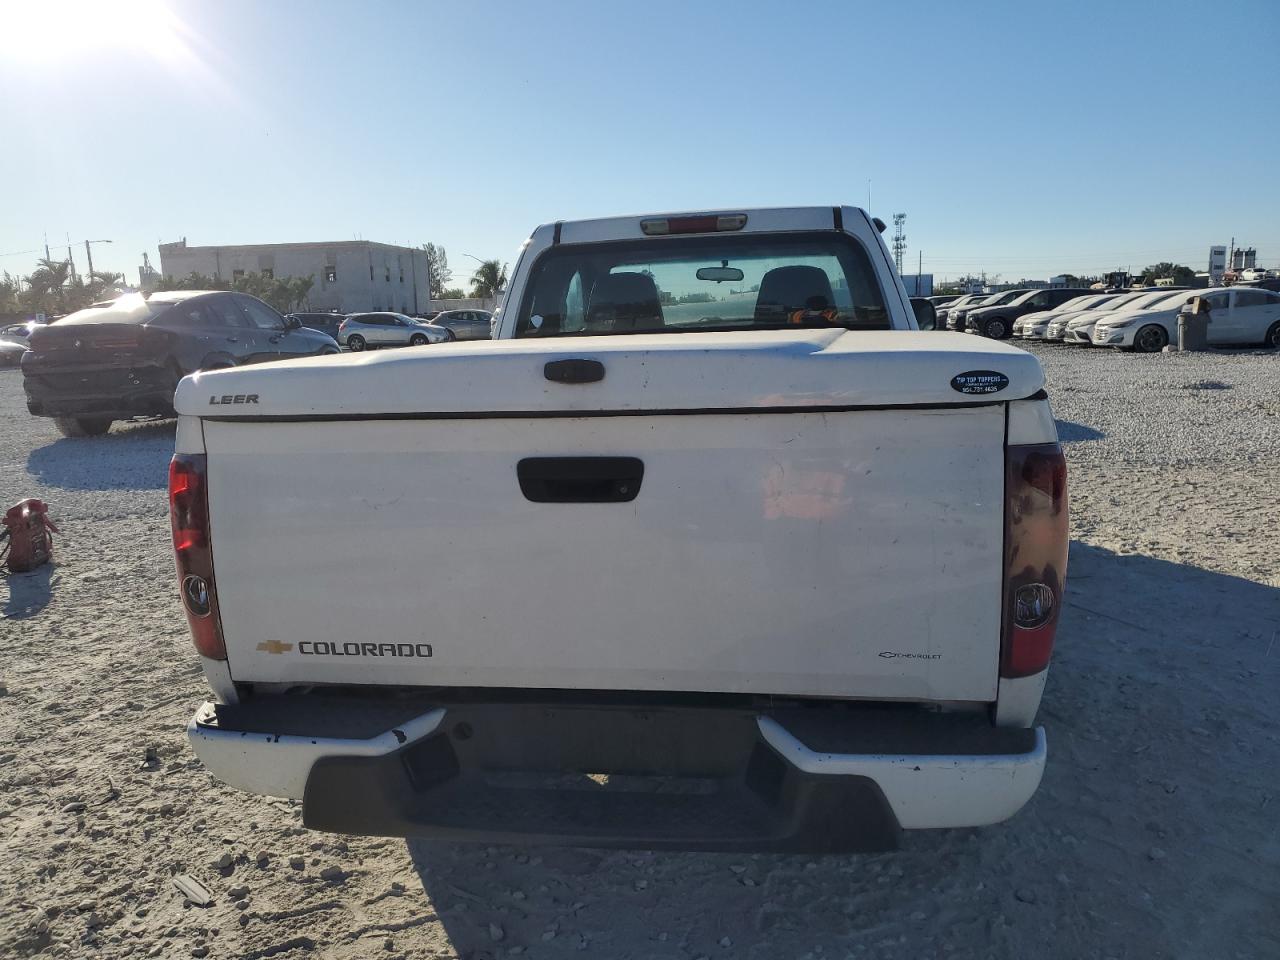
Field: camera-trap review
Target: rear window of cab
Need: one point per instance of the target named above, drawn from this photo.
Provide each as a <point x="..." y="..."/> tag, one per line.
<point x="703" y="283"/>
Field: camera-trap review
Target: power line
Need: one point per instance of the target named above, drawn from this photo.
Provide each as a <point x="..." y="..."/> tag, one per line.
<point x="23" y="253"/>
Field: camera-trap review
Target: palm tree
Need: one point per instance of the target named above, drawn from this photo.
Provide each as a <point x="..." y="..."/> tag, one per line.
<point x="489" y="279"/>
<point x="9" y="287"/>
<point x="51" y="275"/>
<point x="299" y="288"/>
<point x="45" y="287"/>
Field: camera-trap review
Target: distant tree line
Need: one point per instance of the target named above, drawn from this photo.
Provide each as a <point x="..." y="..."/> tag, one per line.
<point x="52" y="290"/>
<point x="1180" y="275"/>
<point x="283" y="293"/>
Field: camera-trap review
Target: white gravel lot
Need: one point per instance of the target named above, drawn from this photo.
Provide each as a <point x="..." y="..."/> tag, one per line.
<point x="1153" y="835"/>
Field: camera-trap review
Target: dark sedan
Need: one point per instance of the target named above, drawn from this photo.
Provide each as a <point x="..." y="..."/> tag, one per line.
<point x="318" y="320"/>
<point x="995" y="318"/>
<point x="125" y="359"/>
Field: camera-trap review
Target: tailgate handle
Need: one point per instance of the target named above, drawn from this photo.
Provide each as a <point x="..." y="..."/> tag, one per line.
<point x="580" y="479"/>
<point x="574" y="371"/>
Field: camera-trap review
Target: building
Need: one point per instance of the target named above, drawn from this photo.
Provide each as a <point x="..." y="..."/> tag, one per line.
<point x="350" y="275"/>
<point x="1217" y="264"/>
<point x="1244" y="259"/>
<point x="918" y="284"/>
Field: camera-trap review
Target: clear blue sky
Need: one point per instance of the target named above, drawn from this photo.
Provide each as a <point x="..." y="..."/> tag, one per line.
<point x="1024" y="138"/>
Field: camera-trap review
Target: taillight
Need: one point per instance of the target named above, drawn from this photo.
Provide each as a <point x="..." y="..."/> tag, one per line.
<point x="705" y="224"/>
<point x="189" y="518"/>
<point x="1036" y="538"/>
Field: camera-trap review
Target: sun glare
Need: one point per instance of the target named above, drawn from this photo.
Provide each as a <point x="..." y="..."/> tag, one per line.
<point x="56" y="30"/>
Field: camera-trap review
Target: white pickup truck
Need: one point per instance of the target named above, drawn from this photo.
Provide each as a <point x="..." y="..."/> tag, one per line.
<point x="710" y="548"/>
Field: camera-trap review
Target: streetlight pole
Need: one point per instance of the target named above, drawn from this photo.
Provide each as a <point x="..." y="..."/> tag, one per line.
<point x="89" y="254"/>
<point x="482" y="263"/>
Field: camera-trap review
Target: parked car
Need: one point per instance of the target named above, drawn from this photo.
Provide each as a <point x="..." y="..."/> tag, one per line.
<point x="465" y="324"/>
<point x="1057" y="328"/>
<point x="11" y="353"/>
<point x="325" y="322"/>
<point x="1270" y="283"/>
<point x="811" y="641"/>
<point x="18" y="332"/>
<point x="968" y="300"/>
<point x="124" y="360"/>
<point x="996" y="320"/>
<point x="1236" y="316"/>
<point x="957" y="319"/>
<point x="1081" y="329"/>
<point x="368" y="331"/>
<point x="1033" y="326"/>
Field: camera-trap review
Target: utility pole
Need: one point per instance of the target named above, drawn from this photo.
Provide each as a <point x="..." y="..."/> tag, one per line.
<point x="899" y="240"/>
<point x="919" y="269"/>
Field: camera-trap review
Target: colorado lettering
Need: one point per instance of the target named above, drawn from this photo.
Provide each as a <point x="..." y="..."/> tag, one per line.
<point x="323" y="648"/>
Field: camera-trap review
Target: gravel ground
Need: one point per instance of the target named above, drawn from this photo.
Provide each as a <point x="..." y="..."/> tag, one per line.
<point x="1154" y="833"/>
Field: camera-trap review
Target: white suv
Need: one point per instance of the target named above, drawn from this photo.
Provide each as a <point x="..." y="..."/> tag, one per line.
<point x="362" y="331"/>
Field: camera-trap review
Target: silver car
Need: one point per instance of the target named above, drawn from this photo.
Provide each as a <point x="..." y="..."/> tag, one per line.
<point x="361" y="331"/>
<point x="464" y="324"/>
<point x="19" y="333"/>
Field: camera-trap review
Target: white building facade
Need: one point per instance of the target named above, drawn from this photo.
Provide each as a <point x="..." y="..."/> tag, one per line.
<point x="1217" y="264"/>
<point x="349" y="275"/>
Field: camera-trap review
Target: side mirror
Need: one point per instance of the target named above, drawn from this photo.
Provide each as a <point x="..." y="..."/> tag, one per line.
<point x="291" y="322"/>
<point x="926" y="313"/>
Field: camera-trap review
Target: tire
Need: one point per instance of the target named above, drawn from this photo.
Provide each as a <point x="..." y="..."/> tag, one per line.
<point x="355" y="343"/>
<point x="329" y="351"/>
<point x="82" y="426"/>
<point x="418" y="340"/>
<point x="1151" y="339"/>
<point x="996" y="328"/>
<point x="449" y="335"/>
<point x="1273" y="336"/>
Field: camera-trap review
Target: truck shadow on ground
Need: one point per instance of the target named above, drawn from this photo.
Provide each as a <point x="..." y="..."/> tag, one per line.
<point x="27" y="593"/>
<point x="130" y="457"/>
<point x="1069" y="432"/>
<point x="1159" y="714"/>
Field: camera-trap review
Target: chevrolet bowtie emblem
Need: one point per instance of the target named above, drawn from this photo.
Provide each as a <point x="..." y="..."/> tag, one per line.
<point x="274" y="646"/>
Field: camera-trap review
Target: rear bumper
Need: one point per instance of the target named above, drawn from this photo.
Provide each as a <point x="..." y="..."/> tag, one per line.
<point x="835" y="778"/>
<point x="143" y="389"/>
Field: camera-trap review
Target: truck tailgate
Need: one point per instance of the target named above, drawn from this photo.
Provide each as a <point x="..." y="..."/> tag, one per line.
<point x="850" y="553"/>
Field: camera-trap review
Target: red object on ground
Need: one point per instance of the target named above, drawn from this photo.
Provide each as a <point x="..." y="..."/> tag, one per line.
<point x="30" y="532"/>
